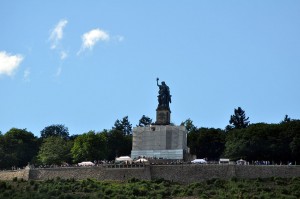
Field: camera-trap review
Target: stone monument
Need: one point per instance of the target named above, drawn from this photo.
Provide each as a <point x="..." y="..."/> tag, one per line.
<point x="163" y="112"/>
<point x="161" y="139"/>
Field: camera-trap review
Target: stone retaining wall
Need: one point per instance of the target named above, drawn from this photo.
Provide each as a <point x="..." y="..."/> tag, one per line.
<point x="99" y="173"/>
<point x="10" y="175"/>
<point x="252" y="171"/>
<point x="195" y="173"/>
<point x="177" y="173"/>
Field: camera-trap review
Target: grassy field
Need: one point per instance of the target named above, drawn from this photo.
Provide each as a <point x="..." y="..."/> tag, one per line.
<point x="215" y="188"/>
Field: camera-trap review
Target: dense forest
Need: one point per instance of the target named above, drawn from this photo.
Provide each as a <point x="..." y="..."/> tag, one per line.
<point x="277" y="143"/>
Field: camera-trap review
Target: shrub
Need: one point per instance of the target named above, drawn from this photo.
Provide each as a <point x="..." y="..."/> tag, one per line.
<point x="267" y="189"/>
<point x="285" y="191"/>
<point x="210" y="192"/>
<point x="280" y="182"/>
<point x="54" y="192"/>
<point x="133" y="180"/>
<point x="43" y="190"/>
<point x="296" y="180"/>
<point x="211" y="181"/>
<point x="6" y="194"/>
<point x="27" y="188"/>
<point x="159" y="180"/>
<point x="36" y="187"/>
<point x="219" y="183"/>
<point x="108" y="191"/>
<point x="49" y="180"/>
<point x="3" y="185"/>
<point x="234" y="179"/>
<point x="31" y="182"/>
<point x="22" y="180"/>
<point x="86" y="190"/>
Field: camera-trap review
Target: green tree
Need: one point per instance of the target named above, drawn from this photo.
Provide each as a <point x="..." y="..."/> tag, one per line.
<point x="118" y="144"/>
<point x="207" y="143"/>
<point x="145" y="121"/>
<point x="295" y="148"/>
<point x="90" y="146"/>
<point x="192" y="143"/>
<point x="238" y="120"/>
<point x="189" y="125"/>
<point x="17" y="148"/>
<point x="123" y="125"/>
<point x="54" y="150"/>
<point x="273" y="142"/>
<point x="286" y="119"/>
<point x="55" y="130"/>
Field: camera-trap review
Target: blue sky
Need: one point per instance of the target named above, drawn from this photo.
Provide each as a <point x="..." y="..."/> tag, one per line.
<point x="86" y="64"/>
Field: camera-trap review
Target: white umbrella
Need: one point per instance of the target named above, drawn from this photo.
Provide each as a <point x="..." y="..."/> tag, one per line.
<point x="124" y="158"/>
<point x="141" y="160"/>
<point x="86" y="164"/>
<point x="199" y="161"/>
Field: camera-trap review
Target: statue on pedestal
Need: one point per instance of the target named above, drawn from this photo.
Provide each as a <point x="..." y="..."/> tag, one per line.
<point x="163" y="112"/>
<point x="161" y="139"/>
<point x="164" y="97"/>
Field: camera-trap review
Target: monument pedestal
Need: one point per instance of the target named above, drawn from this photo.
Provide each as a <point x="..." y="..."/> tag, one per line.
<point x="159" y="141"/>
<point x="163" y="116"/>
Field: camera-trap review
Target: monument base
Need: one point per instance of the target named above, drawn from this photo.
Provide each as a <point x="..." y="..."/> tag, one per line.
<point x="159" y="141"/>
<point x="176" y="154"/>
<point x="163" y="116"/>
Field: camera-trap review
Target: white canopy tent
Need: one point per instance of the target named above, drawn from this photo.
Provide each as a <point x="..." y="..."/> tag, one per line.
<point x="241" y="162"/>
<point x="141" y="160"/>
<point x="88" y="163"/>
<point x="199" y="161"/>
<point x="224" y="161"/>
<point x="126" y="159"/>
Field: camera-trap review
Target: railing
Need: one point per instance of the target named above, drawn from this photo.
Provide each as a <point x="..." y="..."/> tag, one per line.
<point x="123" y="166"/>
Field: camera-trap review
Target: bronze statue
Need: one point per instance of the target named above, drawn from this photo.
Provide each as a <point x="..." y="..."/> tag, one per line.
<point x="164" y="97"/>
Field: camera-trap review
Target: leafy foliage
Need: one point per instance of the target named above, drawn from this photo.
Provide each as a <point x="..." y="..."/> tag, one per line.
<point x="118" y="144"/>
<point x="190" y="127"/>
<point x="238" y="120"/>
<point x="273" y="142"/>
<point x="145" y="121"/>
<point x="55" y="130"/>
<point x="277" y="142"/>
<point x="90" y="146"/>
<point x="135" y="188"/>
<point x="123" y="125"/>
<point x="17" y="148"/>
<point x="286" y="119"/>
<point x="54" y="150"/>
<point x="207" y="143"/>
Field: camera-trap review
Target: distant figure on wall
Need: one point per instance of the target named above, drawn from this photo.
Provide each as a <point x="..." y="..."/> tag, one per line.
<point x="164" y="97"/>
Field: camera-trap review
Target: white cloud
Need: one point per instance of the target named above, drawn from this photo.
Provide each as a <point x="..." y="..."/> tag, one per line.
<point x="26" y="74"/>
<point x="63" y="55"/>
<point x="89" y="39"/>
<point x="9" y="63"/>
<point x="57" y="33"/>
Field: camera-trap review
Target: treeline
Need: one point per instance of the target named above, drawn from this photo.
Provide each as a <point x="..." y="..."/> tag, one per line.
<point x="18" y="147"/>
<point x="279" y="143"/>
